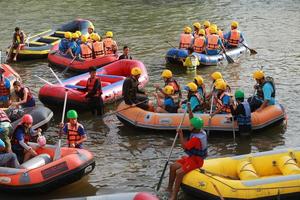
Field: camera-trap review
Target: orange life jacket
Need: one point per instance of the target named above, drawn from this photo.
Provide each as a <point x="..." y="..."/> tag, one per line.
<point x="3" y="116"/>
<point x="72" y="133"/>
<point x="90" y="85"/>
<point x="26" y="132"/>
<point x="212" y="42"/>
<point x="98" y="49"/>
<point x="185" y="40"/>
<point x="199" y="44"/>
<point x="109" y="43"/>
<point x="224" y="108"/>
<point x="234" y="37"/>
<point x="3" y="90"/>
<point x="86" y="51"/>
<point x="221" y="35"/>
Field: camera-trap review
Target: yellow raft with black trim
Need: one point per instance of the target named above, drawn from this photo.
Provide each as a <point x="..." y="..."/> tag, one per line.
<point x="38" y="46"/>
<point x="265" y="175"/>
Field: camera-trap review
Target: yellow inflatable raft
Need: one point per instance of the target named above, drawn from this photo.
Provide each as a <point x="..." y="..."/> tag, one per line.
<point x="265" y="175"/>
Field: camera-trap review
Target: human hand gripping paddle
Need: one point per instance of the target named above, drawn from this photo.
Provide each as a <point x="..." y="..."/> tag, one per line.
<point x="174" y="141"/>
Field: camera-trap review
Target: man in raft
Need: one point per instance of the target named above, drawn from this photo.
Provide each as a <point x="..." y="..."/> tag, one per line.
<point x="234" y="37"/>
<point x="17" y="43"/>
<point x="4" y="90"/>
<point x="195" y="148"/>
<point x="24" y="96"/>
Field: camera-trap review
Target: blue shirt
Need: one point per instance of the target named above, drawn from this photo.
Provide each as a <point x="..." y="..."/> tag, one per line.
<point x="74" y="47"/>
<point x="169" y="102"/>
<point x="20" y="135"/>
<point x="226" y="100"/>
<point x="64" y="45"/>
<point x="194" y="103"/>
<point x="215" y="51"/>
<point x="268" y="90"/>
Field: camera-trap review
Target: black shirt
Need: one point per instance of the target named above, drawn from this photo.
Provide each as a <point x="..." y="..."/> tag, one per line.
<point x="125" y="57"/>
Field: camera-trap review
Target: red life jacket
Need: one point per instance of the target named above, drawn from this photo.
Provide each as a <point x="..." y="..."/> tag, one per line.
<point x="20" y="94"/>
<point x="199" y="44"/>
<point x="72" y="134"/>
<point x="185" y="40"/>
<point x="3" y="116"/>
<point x="109" y="43"/>
<point x="3" y="90"/>
<point x="224" y="108"/>
<point x="234" y="37"/>
<point x="212" y="42"/>
<point x="26" y="132"/>
<point x="90" y="85"/>
<point x="98" y="49"/>
<point x="86" y="51"/>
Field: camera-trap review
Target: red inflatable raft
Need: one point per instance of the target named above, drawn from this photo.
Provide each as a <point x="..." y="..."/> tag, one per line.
<point x="10" y="73"/>
<point x="112" y="77"/>
<point x="56" y="59"/>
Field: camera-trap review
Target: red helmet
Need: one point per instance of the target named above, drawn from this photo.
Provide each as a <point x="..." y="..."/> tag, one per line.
<point x="27" y="119"/>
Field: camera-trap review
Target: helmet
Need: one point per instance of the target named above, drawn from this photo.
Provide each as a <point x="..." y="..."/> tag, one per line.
<point x="259" y="74"/>
<point x="199" y="80"/>
<point x="187" y="29"/>
<point x="84" y="39"/>
<point x="75" y="36"/>
<point x="197" y="25"/>
<point x="197" y="122"/>
<point x="221" y="85"/>
<point x="214" y="25"/>
<point x="91" y="26"/>
<point x="136" y="71"/>
<point x="239" y="94"/>
<point x="216" y="75"/>
<point x="68" y="35"/>
<point x="96" y="37"/>
<point x="168" y="89"/>
<point x="192" y="87"/>
<point x="27" y="118"/>
<point x="234" y="24"/>
<point x="201" y="32"/>
<point x="218" y="80"/>
<point x="109" y="34"/>
<point x="78" y="33"/>
<point x="212" y="29"/>
<point x="41" y="140"/>
<point x="72" y="114"/>
<point x="206" y="24"/>
<point x="166" y="74"/>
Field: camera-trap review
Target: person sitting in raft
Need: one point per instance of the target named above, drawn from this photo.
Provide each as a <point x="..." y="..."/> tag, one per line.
<point x="24" y="95"/>
<point x="125" y="54"/>
<point x="234" y="37"/>
<point x="97" y="46"/>
<point x="91" y="29"/>
<point x="22" y="134"/>
<point x="7" y="159"/>
<point x="5" y="130"/>
<point x="131" y="93"/>
<point x="186" y="38"/>
<point x="78" y="41"/>
<point x="222" y="98"/>
<point x="64" y="43"/>
<point x="199" y="42"/>
<point x="73" y="49"/>
<point x="241" y="112"/>
<point x="197" y="27"/>
<point x="17" y="43"/>
<point x="196" y="150"/>
<point x="86" y="48"/>
<point x="191" y="61"/>
<point x="214" y="42"/>
<point x="168" y="105"/>
<point x="75" y="132"/>
<point x="206" y="26"/>
<point x="111" y="46"/>
<point x="198" y="80"/>
<point x="4" y="90"/>
<point x="193" y="98"/>
<point x="265" y="91"/>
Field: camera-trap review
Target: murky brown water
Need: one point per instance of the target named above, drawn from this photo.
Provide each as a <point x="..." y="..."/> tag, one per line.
<point x="132" y="160"/>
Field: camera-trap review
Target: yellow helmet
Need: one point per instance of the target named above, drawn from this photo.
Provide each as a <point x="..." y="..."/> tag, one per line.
<point x="166" y="74"/>
<point x="109" y="34"/>
<point x="214" y="25"/>
<point x="192" y="87"/>
<point x="96" y="37"/>
<point x="206" y="24"/>
<point x="187" y="29"/>
<point x="234" y="24"/>
<point x="78" y="33"/>
<point x="68" y="35"/>
<point x="216" y="75"/>
<point x="259" y="74"/>
<point x="84" y="39"/>
<point x="202" y="32"/>
<point x="169" y="90"/>
<point x="212" y="29"/>
<point x="75" y="36"/>
<point x="218" y="80"/>
<point x="221" y="85"/>
<point x="199" y="80"/>
<point x="197" y="25"/>
<point x="136" y="71"/>
<point x="91" y="26"/>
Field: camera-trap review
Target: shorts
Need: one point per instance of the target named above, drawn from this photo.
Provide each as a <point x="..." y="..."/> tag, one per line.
<point x="190" y="163"/>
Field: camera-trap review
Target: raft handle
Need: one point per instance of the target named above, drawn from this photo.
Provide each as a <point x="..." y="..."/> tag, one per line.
<point x="274" y="163"/>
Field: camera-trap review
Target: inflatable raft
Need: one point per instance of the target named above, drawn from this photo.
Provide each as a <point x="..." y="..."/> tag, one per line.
<point x="10" y="74"/>
<point x="169" y="121"/>
<point x="43" y="173"/>
<point x="40" y="44"/>
<point x="59" y="60"/>
<point x="174" y="56"/>
<point x="112" y="77"/>
<point x="265" y="175"/>
<point x="122" y="196"/>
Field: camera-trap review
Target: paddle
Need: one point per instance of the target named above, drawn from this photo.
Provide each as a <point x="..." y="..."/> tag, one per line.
<point x="233" y="128"/>
<point x="165" y="167"/>
<point x="218" y="191"/>
<point x="228" y="58"/>
<point x="210" y="111"/>
<point x="252" y="51"/>
<point x="67" y="68"/>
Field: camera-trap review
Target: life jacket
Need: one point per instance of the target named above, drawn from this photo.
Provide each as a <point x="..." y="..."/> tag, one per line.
<point x="199" y="44"/>
<point x="19" y="38"/>
<point x="26" y="132"/>
<point x="185" y="41"/>
<point x="270" y="80"/>
<point x="20" y="94"/>
<point x="90" y="85"/>
<point x="225" y="108"/>
<point x="199" y="152"/>
<point x="86" y="51"/>
<point x="109" y="43"/>
<point x="234" y="39"/>
<point x="245" y="120"/>
<point x="4" y="91"/>
<point x="172" y="82"/>
<point x="212" y="42"/>
<point x="201" y="92"/>
<point x="98" y="49"/>
<point x="3" y="116"/>
<point x="198" y="107"/>
<point x="72" y="133"/>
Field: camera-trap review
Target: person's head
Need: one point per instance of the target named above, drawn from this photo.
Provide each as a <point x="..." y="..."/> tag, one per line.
<point x="68" y="35"/>
<point x="259" y="76"/>
<point x="78" y="33"/>
<point x="92" y="71"/>
<point x="168" y="90"/>
<point x="17" y="86"/>
<point x="198" y="80"/>
<point x="196" y="124"/>
<point x="96" y="37"/>
<point x="27" y="120"/>
<point x="196" y="26"/>
<point x="216" y="75"/>
<point x="17" y="29"/>
<point x="206" y="24"/>
<point x="2" y="145"/>
<point x="84" y="39"/>
<point x="75" y="36"/>
<point x="191" y="87"/>
<point x="109" y="34"/>
<point x="202" y="32"/>
<point x="234" y="25"/>
<point x="91" y="29"/>
<point x="190" y="50"/>
<point x="213" y="30"/>
<point x="220" y="85"/>
<point x="187" y="30"/>
<point x="166" y="74"/>
<point x="136" y="72"/>
<point x="72" y="116"/>
<point x="239" y="95"/>
<point x="125" y="50"/>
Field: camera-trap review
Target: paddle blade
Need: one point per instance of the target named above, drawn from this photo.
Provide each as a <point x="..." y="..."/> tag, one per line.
<point x="57" y="154"/>
<point x="252" y="52"/>
<point x="229" y="59"/>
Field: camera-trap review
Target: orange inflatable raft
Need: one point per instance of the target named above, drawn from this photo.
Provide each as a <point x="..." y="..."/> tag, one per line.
<point x="220" y="122"/>
<point x="43" y="172"/>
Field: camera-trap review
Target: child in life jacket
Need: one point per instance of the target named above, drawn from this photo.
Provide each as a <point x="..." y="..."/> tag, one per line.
<point x="168" y="104"/>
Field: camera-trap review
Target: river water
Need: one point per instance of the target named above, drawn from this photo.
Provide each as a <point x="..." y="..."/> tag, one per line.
<point x="132" y="160"/>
